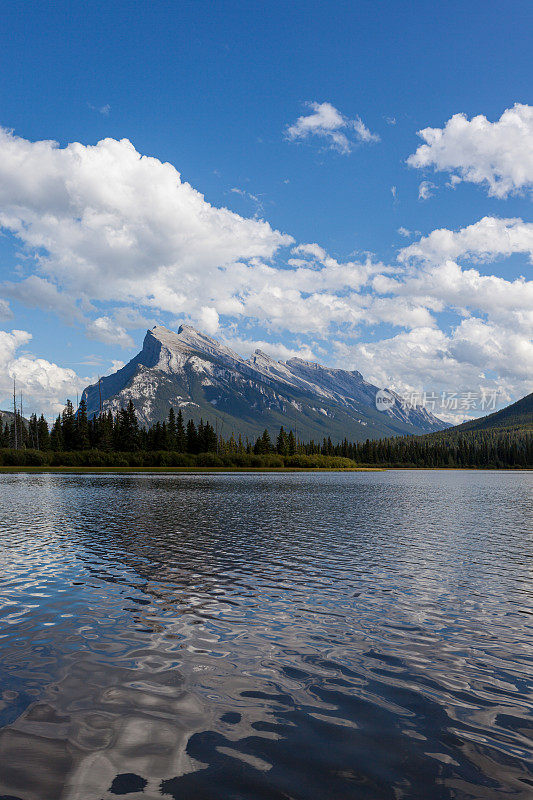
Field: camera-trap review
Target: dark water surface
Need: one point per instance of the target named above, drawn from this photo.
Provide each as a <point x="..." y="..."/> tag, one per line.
<point x="358" y="635"/>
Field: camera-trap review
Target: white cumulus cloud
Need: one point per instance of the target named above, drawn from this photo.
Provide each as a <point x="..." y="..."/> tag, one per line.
<point x="107" y="223"/>
<point x="209" y="320"/>
<point x="108" y="331"/>
<point x="497" y="154"/>
<point x="485" y="240"/>
<point x="476" y="358"/>
<point x="43" y="384"/>
<point x="276" y="350"/>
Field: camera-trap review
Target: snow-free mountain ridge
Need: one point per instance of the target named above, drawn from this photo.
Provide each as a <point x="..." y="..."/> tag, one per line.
<point x="206" y="379"/>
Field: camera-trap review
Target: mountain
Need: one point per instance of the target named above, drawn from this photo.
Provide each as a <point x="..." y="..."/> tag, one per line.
<point x="204" y="378"/>
<point x="8" y="417"/>
<point x="517" y="418"/>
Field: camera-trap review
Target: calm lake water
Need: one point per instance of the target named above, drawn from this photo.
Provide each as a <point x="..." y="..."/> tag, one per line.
<point x="357" y="635"/>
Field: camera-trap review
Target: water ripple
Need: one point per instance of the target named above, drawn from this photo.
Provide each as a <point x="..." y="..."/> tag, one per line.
<point x="266" y="636"/>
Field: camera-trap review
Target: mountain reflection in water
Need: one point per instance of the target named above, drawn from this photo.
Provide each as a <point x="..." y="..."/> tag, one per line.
<point x="358" y="635"/>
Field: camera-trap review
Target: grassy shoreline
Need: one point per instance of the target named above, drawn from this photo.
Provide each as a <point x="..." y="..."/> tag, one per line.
<point x="207" y="470"/>
<point x="127" y="470"/>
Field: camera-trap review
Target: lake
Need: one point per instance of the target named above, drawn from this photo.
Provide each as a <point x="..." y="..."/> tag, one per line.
<point x="270" y="636"/>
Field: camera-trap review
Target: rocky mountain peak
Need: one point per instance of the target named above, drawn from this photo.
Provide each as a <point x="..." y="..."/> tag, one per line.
<point x="188" y="340"/>
<point x="301" y="362"/>
<point x="261" y="356"/>
<point x="190" y="370"/>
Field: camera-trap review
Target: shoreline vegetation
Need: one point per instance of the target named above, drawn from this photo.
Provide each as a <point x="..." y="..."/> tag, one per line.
<point x="178" y="470"/>
<point x="5" y="470"/>
<point x="118" y="442"/>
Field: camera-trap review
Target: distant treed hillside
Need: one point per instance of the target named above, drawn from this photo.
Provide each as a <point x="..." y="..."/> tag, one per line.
<point x="516" y="417"/>
<point x="502" y="439"/>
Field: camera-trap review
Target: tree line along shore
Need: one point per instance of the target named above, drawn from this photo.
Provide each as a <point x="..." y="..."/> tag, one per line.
<point x="117" y="440"/>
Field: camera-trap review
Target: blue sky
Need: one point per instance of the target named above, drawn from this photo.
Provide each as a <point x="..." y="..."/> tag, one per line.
<point x="216" y="90"/>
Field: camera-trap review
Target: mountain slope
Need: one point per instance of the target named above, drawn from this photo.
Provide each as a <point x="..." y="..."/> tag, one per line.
<point x="516" y="417"/>
<point x="194" y="372"/>
<point x="7" y="417"/>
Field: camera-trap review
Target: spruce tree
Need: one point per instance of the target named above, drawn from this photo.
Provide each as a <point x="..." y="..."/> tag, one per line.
<point x="200" y="437"/>
<point x="263" y="444"/>
<point x="127" y="429"/>
<point x="267" y="444"/>
<point x="82" y="427"/>
<point x="32" y="430"/>
<point x="171" y="430"/>
<point x="181" y="442"/>
<point x="133" y="426"/>
<point x="164" y="437"/>
<point x="158" y="437"/>
<point x="56" y="437"/>
<point x="191" y="437"/>
<point x="282" y="444"/>
<point x="68" y="425"/>
<point x="104" y="431"/>
<point x="22" y="431"/>
<point x="291" y="444"/>
<point x="210" y="438"/>
<point x="43" y="434"/>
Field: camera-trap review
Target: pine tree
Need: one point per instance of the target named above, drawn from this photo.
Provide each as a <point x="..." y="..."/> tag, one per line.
<point x="210" y="438"/>
<point x="82" y="427"/>
<point x="263" y="444"/>
<point x="156" y="436"/>
<point x="181" y="442"/>
<point x="127" y="429"/>
<point x="267" y="443"/>
<point x="133" y="426"/>
<point x="43" y="434"/>
<point x="32" y="430"/>
<point x="206" y="439"/>
<point x="171" y="430"/>
<point x="22" y="431"/>
<point x="282" y="444"/>
<point x="104" y="431"/>
<point x="68" y="425"/>
<point x="191" y="437"/>
<point x="291" y="444"/>
<point x="56" y="437"/>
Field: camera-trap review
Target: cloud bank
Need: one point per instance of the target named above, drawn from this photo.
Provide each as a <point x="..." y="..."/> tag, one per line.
<point x="114" y="240"/>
